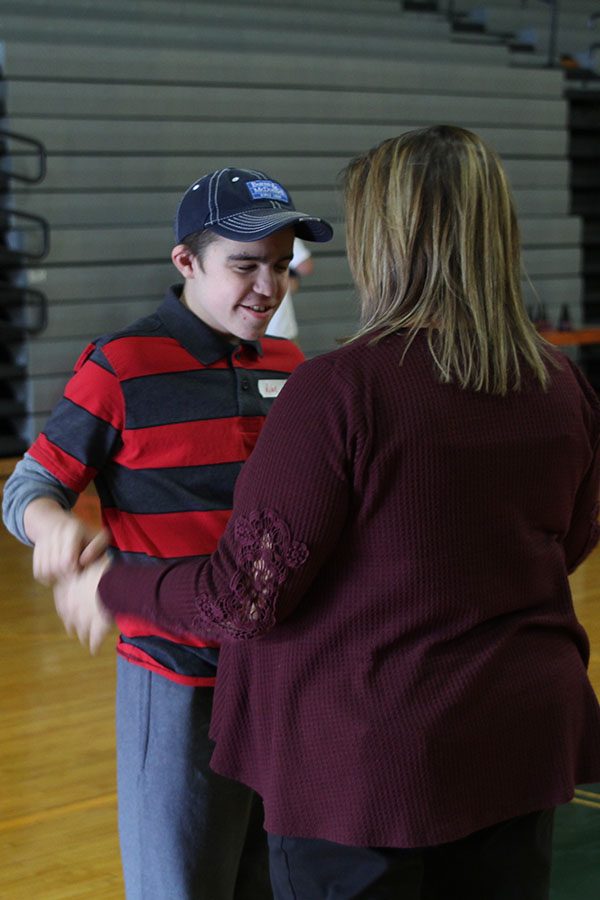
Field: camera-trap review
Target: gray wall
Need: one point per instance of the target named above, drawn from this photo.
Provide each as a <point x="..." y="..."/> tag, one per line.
<point x="134" y="99"/>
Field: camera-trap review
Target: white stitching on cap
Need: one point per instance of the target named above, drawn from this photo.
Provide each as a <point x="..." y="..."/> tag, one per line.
<point x="222" y="172"/>
<point x="249" y="224"/>
<point x="210" y="191"/>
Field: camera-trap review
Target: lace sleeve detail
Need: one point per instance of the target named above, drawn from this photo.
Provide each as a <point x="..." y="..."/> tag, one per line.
<point x="265" y="553"/>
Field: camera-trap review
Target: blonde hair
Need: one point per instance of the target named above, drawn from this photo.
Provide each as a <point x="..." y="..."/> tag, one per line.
<point x="433" y="242"/>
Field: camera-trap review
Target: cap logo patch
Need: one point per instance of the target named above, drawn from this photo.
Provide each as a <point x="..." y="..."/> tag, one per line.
<point x="267" y="190"/>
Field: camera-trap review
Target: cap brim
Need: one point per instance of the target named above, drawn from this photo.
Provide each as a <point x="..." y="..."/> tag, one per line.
<point x="255" y="224"/>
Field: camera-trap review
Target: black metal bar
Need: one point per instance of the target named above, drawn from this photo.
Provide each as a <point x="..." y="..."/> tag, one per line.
<point x="41" y="154"/>
<point x="553" y="40"/>
<point x="44" y="225"/>
<point x="23" y="298"/>
<point x="596" y="44"/>
<point x="553" y="37"/>
<point x="10" y="332"/>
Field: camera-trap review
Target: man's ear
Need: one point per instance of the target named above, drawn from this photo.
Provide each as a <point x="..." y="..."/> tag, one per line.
<point x="183" y="260"/>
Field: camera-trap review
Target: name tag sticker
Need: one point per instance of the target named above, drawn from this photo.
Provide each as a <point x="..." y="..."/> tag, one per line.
<point x="270" y="387"/>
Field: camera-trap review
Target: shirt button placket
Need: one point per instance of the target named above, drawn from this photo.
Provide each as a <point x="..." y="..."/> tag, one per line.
<point x="245" y="394"/>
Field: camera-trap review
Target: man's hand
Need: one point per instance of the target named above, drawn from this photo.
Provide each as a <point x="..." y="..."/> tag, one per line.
<point x="62" y="542"/>
<point x="79" y="606"/>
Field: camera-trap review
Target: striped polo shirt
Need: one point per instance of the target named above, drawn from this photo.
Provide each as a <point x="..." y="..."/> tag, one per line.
<point x="162" y="416"/>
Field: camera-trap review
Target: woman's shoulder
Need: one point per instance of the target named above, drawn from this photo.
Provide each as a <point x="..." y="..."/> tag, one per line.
<point x="355" y="357"/>
<point x="588" y="398"/>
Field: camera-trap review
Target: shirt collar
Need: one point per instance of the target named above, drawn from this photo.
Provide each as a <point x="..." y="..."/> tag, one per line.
<point x="196" y="336"/>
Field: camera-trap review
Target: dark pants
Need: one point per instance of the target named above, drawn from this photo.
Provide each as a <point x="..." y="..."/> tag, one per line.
<point x="509" y="861"/>
<point x="186" y="833"/>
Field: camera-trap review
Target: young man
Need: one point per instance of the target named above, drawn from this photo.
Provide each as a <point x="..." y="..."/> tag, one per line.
<point x="161" y="416"/>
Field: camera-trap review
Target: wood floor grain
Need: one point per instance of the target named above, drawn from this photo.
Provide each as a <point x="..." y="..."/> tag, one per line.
<point x="58" y="827"/>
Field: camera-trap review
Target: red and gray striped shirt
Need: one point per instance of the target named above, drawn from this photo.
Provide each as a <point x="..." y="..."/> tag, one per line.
<point x="161" y="416"/>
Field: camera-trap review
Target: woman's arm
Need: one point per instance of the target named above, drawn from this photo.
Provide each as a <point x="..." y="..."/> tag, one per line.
<point x="584" y="531"/>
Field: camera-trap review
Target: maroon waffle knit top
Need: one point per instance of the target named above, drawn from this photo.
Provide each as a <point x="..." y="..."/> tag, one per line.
<point x="401" y="662"/>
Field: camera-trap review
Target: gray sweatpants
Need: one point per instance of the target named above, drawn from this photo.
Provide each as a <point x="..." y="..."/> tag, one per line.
<point x="186" y="833"/>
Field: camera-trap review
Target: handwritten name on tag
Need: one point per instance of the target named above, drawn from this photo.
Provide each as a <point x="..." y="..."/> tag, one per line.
<point x="270" y="387"/>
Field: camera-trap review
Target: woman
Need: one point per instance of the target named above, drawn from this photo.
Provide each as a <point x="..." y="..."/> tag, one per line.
<point x="402" y="676"/>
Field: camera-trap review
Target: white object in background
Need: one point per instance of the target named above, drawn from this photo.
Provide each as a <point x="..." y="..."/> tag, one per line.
<point x="283" y="323"/>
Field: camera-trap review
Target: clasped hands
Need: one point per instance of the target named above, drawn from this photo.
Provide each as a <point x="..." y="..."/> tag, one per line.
<point x="72" y="560"/>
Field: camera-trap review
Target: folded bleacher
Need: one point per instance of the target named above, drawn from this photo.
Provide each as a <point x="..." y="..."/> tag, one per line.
<point x="133" y="99"/>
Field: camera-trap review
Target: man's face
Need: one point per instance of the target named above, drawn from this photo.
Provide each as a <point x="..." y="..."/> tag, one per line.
<point x="240" y="284"/>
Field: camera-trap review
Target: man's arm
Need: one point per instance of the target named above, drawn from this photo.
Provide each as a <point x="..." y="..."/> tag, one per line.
<point x="29" y="481"/>
<point x="37" y="510"/>
<point x="79" y="439"/>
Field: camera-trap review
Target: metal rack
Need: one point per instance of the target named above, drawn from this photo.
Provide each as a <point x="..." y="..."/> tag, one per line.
<point x="553" y="11"/>
<point x="24" y="239"/>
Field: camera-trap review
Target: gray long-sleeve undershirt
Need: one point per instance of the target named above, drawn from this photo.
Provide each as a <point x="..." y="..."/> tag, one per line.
<point x="29" y="481"/>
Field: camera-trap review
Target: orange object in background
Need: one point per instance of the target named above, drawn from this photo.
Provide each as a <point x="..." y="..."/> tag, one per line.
<point x="572" y="338"/>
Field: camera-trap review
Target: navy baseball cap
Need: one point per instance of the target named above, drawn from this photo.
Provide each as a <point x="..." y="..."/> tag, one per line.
<point x="244" y="205"/>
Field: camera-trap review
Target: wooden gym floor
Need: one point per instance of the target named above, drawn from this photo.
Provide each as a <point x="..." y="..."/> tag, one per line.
<point x="58" y="827"/>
